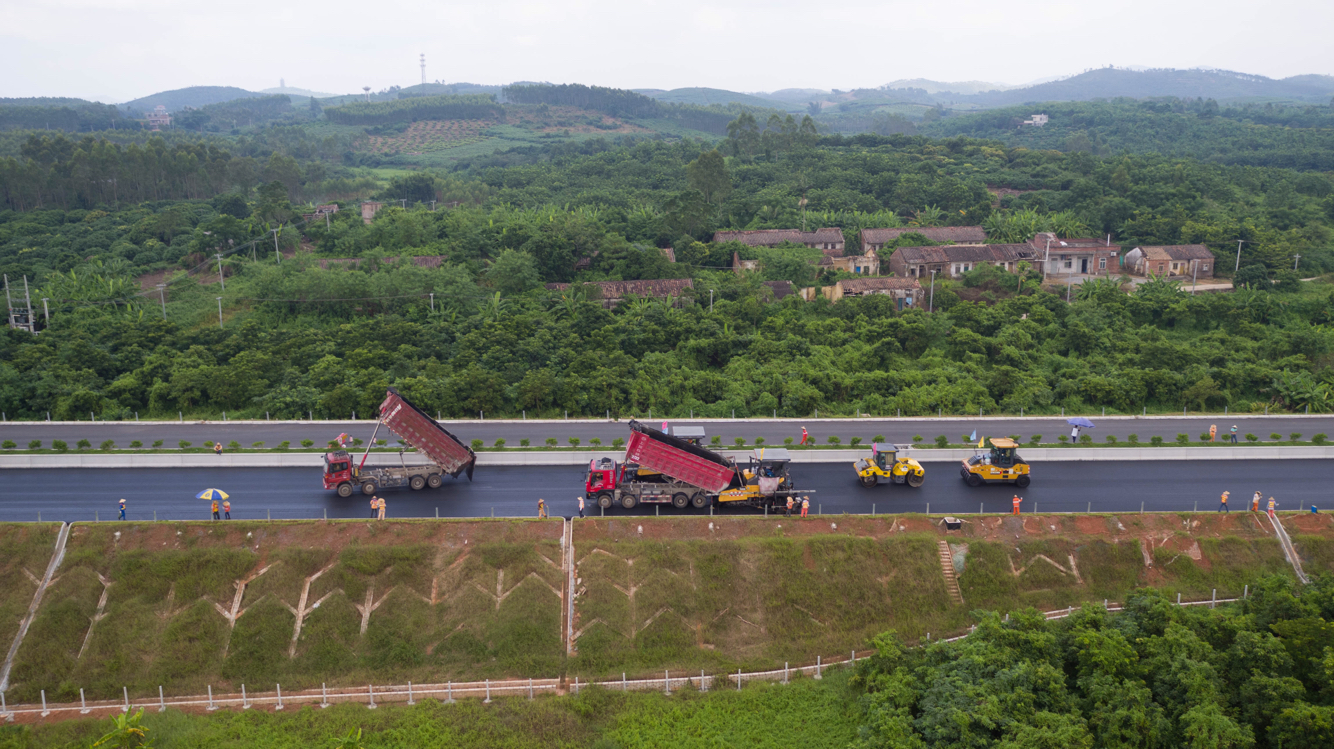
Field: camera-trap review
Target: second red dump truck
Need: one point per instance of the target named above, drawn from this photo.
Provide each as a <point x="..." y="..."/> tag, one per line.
<point x="447" y="453"/>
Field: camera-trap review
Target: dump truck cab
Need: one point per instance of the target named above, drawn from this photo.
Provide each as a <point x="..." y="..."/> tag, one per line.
<point x="338" y="469"/>
<point x="1000" y="465"/>
<point x="603" y="477"/>
<point x="885" y="462"/>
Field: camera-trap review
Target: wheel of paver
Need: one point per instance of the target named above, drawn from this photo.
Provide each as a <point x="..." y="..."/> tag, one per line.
<point x="1022" y="481"/>
<point x="416" y="482"/>
<point x="974" y="480"/>
<point x="915" y="480"/>
<point x="344" y="490"/>
<point x="628" y="501"/>
<point x="368" y="488"/>
<point x="679" y="501"/>
<point x="604" y="501"/>
<point x="866" y="481"/>
<point x="434" y="481"/>
<point x="699" y="500"/>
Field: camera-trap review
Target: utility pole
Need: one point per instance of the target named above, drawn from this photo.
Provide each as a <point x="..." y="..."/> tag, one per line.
<point x="327" y="224"/>
<point x="433" y="302"/>
<point x="710" y="301"/>
<point x="1194" y="274"/>
<point x="433" y="206"/>
<point x="219" y="312"/>
<point x="46" y="311"/>
<point x="221" y="279"/>
<point x="27" y="301"/>
<point x="1240" y="242"/>
<point x="276" y="253"/>
<point x="423" y="68"/>
<point x="1295" y="260"/>
<point x="162" y="294"/>
<point x="404" y="201"/>
<point x="931" y="304"/>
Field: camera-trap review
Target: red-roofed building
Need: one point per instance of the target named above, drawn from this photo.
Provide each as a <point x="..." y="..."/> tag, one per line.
<point x="830" y="238"/>
<point x="873" y="240"/>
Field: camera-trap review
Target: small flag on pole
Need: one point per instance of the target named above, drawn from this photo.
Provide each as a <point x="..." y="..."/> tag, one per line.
<point x="973" y="436"/>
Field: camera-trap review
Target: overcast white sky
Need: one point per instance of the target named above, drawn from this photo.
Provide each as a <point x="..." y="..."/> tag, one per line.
<point x="116" y="50"/>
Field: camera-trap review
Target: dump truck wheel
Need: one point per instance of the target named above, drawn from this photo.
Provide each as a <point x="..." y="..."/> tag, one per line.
<point x="344" y="490"/>
<point x="434" y="481"/>
<point x="628" y="501"/>
<point x="699" y="500"/>
<point x="866" y="481"/>
<point x="604" y="501"/>
<point x="417" y="483"/>
<point x="1022" y="481"/>
<point x="679" y="501"/>
<point x="916" y="479"/>
<point x="368" y="488"/>
<point x="974" y="480"/>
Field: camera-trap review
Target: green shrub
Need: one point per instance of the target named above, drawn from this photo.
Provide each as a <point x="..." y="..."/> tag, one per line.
<point x="8" y="445"/>
<point x="256" y="445"/>
<point x="1204" y="436"/>
<point x="307" y="443"/>
<point x="759" y="441"/>
<point x="84" y="445"/>
<point x="1275" y="436"/>
<point x="855" y="441"/>
<point x="595" y="442"/>
<point x="208" y="444"/>
<point x="34" y="444"/>
<point x="1014" y="437"/>
<point x="788" y="441"/>
<point x="1085" y="439"/>
<point x="284" y="444"/>
<point x="1295" y="436"/>
<point x="551" y="441"/>
<point x="942" y="441"/>
<point x="499" y="443"/>
<point x="382" y="443"/>
<point x="1252" y="438"/>
<point x="1156" y="440"/>
<point x="356" y="442"/>
<point x="1319" y="439"/>
<point x="1111" y="439"/>
<point x="59" y="445"/>
<point x="740" y="441"/>
<point x="1063" y="438"/>
<point x="834" y="440"/>
<point x="915" y="438"/>
<point x="157" y="443"/>
<point x="525" y="442"/>
<point x="477" y="445"/>
<point x="1035" y="440"/>
<point x="618" y="443"/>
<point x="136" y="444"/>
<point x="716" y="440"/>
<point x="1132" y="439"/>
<point x="881" y="438"/>
<point x="1183" y="439"/>
<point x="574" y="441"/>
<point x="333" y="444"/>
<point x="107" y="445"/>
<point x="963" y="439"/>
<point x="234" y="445"/>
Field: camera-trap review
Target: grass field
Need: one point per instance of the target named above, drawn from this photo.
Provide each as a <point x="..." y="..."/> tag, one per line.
<point x="186" y="605"/>
<point x="807" y="713"/>
<point x="25" y="551"/>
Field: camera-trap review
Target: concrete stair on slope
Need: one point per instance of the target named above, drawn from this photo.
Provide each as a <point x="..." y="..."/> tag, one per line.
<point x="951" y="578"/>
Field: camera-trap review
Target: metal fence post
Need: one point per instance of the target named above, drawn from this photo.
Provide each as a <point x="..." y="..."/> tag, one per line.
<point x="83" y="704"/>
<point x="280" y="697"/>
<point x="666" y="682"/>
<point x="126" y="692"/>
<point x="1213" y="598"/>
<point x="45" y="712"/>
<point x="449" y="693"/>
<point x="488" y="692"/>
<point x="1141" y="508"/>
<point x="817" y="667"/>
<point x="370" y="690"/>
<point x="1244" y="591"/>
<point x="703" y="686"/>
<point x="211" y="706"/>
<point x="623" y="684"/>
<point x="738" y="680"/>
<point x="245" y="701"/>
<point x="1178" y="599"/>
<point x="161" y="700"/>
<point x="410" y="702"/>
<point x="324" y="695"/>
<point x="784" y="672"/>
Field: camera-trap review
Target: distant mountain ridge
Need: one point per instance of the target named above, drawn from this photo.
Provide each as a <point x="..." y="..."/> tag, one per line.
<point x="1110" y="83"/>
<point x="957" y="87"/>
<point x="193" y="96"/>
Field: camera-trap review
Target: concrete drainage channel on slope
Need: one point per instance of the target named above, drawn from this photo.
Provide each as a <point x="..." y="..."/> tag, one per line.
<point x="56" y="558"/>
<point x="582" y="457"/>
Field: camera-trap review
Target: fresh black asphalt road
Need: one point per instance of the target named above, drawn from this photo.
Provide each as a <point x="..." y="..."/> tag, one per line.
<point x="258" y="493"/>
<point x="772" y="430"/>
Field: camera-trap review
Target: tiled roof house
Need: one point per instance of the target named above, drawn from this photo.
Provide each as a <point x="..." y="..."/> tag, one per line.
<point x="873" y="240"/>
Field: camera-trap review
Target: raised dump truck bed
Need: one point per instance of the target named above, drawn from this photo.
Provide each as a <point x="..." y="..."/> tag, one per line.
<point x="426" y="434"/>
<point x="672" y="456"/>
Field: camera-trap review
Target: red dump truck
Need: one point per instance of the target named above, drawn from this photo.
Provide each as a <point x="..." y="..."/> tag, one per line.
<point x="447" y="453"/>
<point x="658" y="468"/>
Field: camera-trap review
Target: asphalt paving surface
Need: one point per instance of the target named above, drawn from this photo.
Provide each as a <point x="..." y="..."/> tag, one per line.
<point x="772" y="430"/>
<point x="283" y="493"/>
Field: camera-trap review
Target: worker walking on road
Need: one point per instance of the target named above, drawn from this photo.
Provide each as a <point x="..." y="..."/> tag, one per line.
<point x="805" y="437"/>
<point x="541" y="508"/>
<point x="381" y="501"/>
<point x="789" y="505"/>
<point x="1017" y="501"/>
<point x="581" y="506"/>
<point x="1232" y="433"/>
<point x="1213" y="431"/>
<point x="1255" y="502"/>
<point x="1223" y="506"/>
<point x="805" y="505"/>
<point x="1272" y="505"/>
<point x="122" y="509"/>
<point x="227" y="509"/>
<point x="215" y="509"/>
<point x="375" y="505"/>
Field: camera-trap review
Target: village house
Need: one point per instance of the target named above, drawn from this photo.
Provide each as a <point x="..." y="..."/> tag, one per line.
<point x="369" y="209"/>
<point x="1037" y="120"/>
<point x="612" y="293"/>
<point x="1068" y="257"/>
<point x="1194" y="260"/>
<point x="904" y="291"/>
<point x="955" y="260"/>
<point x="741" y="266"/>
<point x="830" y="238"/>
<point x="158" y="118"/>
<point x="874" y="240"/>
<point x="321" y="211"/>
<point x="781" y="289"/>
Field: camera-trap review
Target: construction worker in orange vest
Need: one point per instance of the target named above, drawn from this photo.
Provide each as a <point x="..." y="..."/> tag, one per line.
<point x="215" y="509"/>
<point x="375" y="505"/>
<point x="789" y="505"/>
<point x="1213" y="431"/>
<point x="541" y="508"/>
<point x="1017" y="501"/>
<point x="805" y="505"/>
<point x="226" y="510"/>
<point x="804" y="436"/>
<point x="381" y="507"/>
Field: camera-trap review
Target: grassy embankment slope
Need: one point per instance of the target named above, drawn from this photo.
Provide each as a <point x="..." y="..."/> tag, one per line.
<point x="189" y="605"/>
<point x="25" y="551"/>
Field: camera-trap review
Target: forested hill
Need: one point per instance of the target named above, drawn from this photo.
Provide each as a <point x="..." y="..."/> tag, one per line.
<point x="1291" y="137"/>
<point x="193" y="96"/>
<point x="1107" y="83"/>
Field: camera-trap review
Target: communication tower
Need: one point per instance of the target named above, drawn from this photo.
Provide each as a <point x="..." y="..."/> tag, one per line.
<point x="423" y="68"/>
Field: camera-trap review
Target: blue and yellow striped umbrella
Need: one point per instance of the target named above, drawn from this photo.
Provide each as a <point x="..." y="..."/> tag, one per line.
<point x="212" y="494"/>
